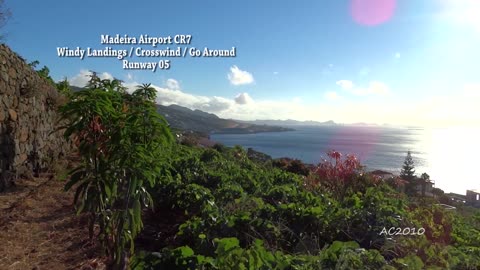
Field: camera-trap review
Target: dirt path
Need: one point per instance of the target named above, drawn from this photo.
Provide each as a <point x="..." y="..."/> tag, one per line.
<point x="40" y="230"/>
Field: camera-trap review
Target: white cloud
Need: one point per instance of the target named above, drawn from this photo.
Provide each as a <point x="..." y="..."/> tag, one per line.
<point x="345" y="84"/>
<point x="105" y="76"/>
<point x="397" y="55"/>
<point x="374" y="88"/>
<point x="460" y="108"/>
<point x="239" y="77"/>
<point x="241" y="107"/>
<point x="168" y="96"/>
<point x="243" y="98"/>
<point x="81" y="79"/>
<point x="434" y="111"/>
<point x="172" y="84"/>
<point x="377" y="88"/>
<point x="297" y="100"/>
<point x="275" y="73"/>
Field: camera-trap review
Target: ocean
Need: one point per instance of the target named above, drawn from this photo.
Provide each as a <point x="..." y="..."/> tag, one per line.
<point x="448" y="155"/>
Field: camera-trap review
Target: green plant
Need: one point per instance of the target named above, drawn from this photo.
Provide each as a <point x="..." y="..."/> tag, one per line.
<point x="234" y="213"/>
<point x="63" y="87"/>
<point x="408" y="174"/>
<point x="43" y="72"/>
<point x="122" y="142"/>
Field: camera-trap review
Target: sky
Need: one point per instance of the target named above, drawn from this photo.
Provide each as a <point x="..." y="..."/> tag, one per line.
<point x="398" y="62"/>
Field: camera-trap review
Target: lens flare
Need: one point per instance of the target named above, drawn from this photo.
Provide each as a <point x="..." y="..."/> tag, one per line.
<point x="355" y="140"/>
<point x="372" y="12"/>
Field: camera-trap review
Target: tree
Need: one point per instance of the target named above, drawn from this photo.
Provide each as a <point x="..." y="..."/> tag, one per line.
<point x="408" y="173"/>
<point x="424" y="179"/>
<point x="408" y="169"/>
<point x="437" y="192"/>
<point x="119" y="164"/>
<point x="63" y="87"/>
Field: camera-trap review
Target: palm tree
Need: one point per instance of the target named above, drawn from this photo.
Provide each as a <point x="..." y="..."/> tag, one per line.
<point x="146" y="91"/>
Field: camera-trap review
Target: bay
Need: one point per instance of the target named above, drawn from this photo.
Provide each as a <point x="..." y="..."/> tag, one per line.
<point x="448" y="155"/>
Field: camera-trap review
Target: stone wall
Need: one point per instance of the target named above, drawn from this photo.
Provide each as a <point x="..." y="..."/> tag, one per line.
<point x="28" y="116"/>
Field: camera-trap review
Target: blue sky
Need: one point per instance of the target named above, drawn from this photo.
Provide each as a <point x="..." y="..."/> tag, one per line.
<point x="377" y="61"/>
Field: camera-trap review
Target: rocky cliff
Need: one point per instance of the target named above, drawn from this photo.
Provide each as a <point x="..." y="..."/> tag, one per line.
<point x="28" y="117"/>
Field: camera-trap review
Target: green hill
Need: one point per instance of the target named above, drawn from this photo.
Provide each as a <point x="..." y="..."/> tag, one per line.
<point x="185" y="119"/>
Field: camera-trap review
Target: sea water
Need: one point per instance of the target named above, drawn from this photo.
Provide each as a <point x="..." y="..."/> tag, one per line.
<point x="448" y="155"/>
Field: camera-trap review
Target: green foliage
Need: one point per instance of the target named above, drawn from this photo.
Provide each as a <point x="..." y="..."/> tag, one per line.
<point x="437" y="192"/>
<point x="408" y="174"/>
<point x="408" y="169"/>
<point x="237" y="213"/>
<point x="110" y="128"/>
<point x="294" y="166"/>
<point x="235" y="208"/>
<point x="363" y="215"/>
<point x="410" y="262"/>
<point x="436" y="222"/>
<point x="43" y="72"/>
<point x="63" y="87"/>
<point x="238" y="209"/>
<point x="230" y="255"/>
<point x="349" y="255"/>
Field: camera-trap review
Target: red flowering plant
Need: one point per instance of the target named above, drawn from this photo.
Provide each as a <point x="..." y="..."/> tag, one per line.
<point x="336" y="173"/>
<point x="94" y="135"/>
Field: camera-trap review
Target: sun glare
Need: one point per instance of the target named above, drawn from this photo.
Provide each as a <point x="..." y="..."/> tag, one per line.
<point x="464" y="12"/>
<point x="452" y="157"/>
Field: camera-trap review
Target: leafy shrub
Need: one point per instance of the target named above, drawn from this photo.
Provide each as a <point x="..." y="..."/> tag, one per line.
<point x="118" y="162"/>
<point x="336" y="174"/>
<point x="302" y="226"/>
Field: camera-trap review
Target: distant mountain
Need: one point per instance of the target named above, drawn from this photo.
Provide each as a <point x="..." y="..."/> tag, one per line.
<point x="362" y="124"/>
<point x="195" y="112"/>
<point x="290" y="122"/>
<point x="186" y="119"/>
<point x="76" y="88"/>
